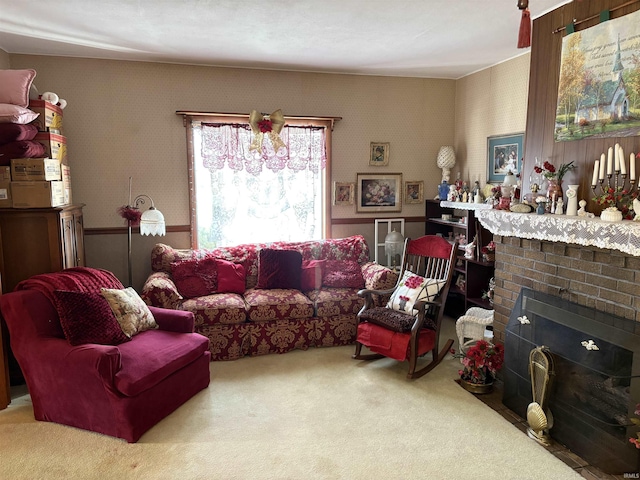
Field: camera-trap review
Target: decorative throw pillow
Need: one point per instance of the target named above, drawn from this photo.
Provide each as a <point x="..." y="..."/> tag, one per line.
<point x="15" y="86"/>
<point x="343" y="274"/>
<point x="15" y="114"/>
<point x="412" y="288"/>
<point x="311" y="274"/>
<point x="132" y="313"/>
<point x="13" y="132"/>
<point x="231" y="277"/>
<point x="87" y="318"/>
<point x="279" y="269"/>
<point x="196" y="277"/>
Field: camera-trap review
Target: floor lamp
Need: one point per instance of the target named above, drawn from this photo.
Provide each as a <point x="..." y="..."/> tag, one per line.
<point x="151" y="222"/>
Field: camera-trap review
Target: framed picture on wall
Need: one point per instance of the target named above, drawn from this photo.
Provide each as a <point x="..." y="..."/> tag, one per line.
<point x="379" y="192"/>
<point x="343" y="193"/>
<point x="379" y="154"/>
<point x="504" y="154"/>
<point x="413" y="192"/>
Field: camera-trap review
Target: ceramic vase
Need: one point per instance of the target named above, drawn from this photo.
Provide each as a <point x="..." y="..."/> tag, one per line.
<point x="554" y="190"/>
<point x="572" y="200"/>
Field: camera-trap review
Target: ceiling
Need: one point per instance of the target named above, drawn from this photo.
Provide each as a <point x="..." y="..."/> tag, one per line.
<point x="410" y="38"/>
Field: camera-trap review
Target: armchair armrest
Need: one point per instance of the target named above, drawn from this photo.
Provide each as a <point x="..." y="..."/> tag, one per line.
<point x="179" y="321"/>
<point x="160" y="291"/>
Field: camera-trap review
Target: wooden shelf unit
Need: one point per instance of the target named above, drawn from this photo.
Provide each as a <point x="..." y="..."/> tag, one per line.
<point x="475" y="272"/>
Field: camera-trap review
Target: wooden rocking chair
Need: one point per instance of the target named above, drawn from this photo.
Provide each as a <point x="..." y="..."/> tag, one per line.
<point x="398" y="331"/>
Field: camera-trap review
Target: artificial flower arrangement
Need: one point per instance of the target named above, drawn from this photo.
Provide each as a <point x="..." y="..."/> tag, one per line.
<point x="481" y="362"/>
<point x="488" y="251"/>
<point x="618" y="198"/>
<point x="488" y="294"/>
<point x="549" y="170"/>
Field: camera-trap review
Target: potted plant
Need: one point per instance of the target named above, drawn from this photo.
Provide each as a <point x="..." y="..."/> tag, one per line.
<point x="480" y="364"/>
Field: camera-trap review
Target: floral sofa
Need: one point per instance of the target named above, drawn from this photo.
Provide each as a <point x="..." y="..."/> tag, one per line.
<point x="252" y="314"/>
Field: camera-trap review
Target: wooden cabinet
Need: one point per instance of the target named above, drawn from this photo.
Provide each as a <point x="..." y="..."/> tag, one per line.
<point x="39" y="240"/>
<point x="471" y="276"/>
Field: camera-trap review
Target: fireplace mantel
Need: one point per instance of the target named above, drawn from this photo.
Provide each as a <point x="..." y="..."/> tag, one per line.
<point x="623" y="236"/>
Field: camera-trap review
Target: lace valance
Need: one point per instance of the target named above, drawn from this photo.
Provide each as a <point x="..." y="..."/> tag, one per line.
<point x="623" y="236"/>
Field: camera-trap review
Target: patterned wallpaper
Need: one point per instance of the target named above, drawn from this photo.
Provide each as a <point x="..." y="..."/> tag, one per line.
<point x="120" y="121"/>
<point x="4" y="59"/>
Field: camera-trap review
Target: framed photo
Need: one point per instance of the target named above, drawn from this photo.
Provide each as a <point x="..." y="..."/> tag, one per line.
<point x="379" y="156"/>
<point x="379" y="193"/>
<point x="413" y="192"/>
<point x="504" y="154"/>
<point x="343" y="193"/>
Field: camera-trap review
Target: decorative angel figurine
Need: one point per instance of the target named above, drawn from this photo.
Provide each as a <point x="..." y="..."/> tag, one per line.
<point x="636" y="209"/>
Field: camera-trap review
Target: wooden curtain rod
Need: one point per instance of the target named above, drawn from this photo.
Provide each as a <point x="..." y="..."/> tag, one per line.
<point x="576" y="23"/>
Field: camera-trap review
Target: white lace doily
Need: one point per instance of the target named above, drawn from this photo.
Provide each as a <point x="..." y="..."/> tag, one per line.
<point x="623" y="236"/>
<point x="466" y="205"/>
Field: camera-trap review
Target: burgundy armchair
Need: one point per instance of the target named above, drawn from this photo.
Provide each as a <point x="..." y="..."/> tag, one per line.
<point x="119" y="390"/>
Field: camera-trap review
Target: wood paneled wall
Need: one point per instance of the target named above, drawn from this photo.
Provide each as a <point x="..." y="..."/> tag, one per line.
<point x="546" y="48"/>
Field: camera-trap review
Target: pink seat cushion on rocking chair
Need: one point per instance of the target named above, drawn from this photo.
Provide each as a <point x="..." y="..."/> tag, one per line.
<point x="393" y="344"/>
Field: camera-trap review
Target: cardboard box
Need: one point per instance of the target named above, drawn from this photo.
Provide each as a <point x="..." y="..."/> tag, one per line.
<point x="55" y="145"/>
<point x="37" y="194"/>
<point x="5" y="194"/>
<point x="50" y="118"/>
<point x="23" y="169"/>
<point x="5" y="174"/>
<point x="66" y="183"/>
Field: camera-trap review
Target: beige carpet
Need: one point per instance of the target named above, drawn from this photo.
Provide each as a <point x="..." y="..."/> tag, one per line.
<point x="302" y="415"/>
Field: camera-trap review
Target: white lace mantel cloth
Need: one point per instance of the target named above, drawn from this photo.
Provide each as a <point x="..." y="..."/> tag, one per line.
<point x="623" y="236"/>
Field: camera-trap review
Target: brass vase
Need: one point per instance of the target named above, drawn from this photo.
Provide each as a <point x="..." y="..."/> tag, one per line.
<point x="478" y="388"/>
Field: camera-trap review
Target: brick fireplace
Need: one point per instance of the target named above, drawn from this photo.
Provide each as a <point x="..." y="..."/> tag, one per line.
<point x="605" y="280"/>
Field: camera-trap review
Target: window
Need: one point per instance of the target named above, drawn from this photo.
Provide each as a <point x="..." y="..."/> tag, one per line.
<point x="239" y="195"/>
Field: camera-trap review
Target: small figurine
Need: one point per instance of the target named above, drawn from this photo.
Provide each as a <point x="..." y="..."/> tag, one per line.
<point x="636" y="209"/>
<point x="453" y="193"/>
<point x="470" y="250"/>
<point x="582" y="212"/>
<point x="559" y="207"/>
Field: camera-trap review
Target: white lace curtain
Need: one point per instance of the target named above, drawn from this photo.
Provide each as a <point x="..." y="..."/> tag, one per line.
<point x="245" y="196"/>
<point x="228" y="144"/>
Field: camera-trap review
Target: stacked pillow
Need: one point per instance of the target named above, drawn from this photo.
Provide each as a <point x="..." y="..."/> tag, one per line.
<point x="16" y="136"/>
<point x="109" y="317"/>
<point x="199" y="277"/>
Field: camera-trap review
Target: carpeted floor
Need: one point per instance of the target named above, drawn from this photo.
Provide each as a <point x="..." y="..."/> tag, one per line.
<point x="313" y="414"/>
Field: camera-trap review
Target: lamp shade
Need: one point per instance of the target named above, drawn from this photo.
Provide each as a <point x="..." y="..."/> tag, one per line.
<point x="152" y="222"/>
<point x="446" y="157"/>
<point x="393" y="243"/>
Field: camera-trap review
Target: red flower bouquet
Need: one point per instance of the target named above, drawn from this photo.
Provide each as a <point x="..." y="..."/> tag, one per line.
<point x="481" y="362"/>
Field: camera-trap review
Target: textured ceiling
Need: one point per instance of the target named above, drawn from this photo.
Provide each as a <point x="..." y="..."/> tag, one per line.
<point x="411" y="38"/>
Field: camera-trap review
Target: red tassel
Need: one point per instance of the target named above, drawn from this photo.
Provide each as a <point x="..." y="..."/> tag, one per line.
<point x="524" y="35"/>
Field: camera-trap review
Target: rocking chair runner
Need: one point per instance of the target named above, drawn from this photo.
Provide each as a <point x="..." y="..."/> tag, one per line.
<point x="398" y="330"/>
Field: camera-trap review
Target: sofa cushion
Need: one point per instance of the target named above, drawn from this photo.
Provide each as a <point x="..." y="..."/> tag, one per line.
<point x="226" y="308"/>
<point x="311" y="274"/>
<point x="87" y="318"/>
<point x="277" y="304"/>
<point x="336" y="301"/>
<point x="195" y="277"/>
<point x="154" y="355"/>
<point x="132" y="313"/>
<point x="231" y="277"/>
<point x="279" y="269"/>
<point x="343" y="274"/>
<point x="411" y="289"/>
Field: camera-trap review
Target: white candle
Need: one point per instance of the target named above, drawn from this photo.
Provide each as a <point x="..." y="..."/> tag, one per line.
<point x="596" y="169"/>
<point x="632" y="166"/>
<point x="602" y="164"/>
<point x="610" y="161"/>
<point x="623" y="164"/>
<point x="617" y="158"/>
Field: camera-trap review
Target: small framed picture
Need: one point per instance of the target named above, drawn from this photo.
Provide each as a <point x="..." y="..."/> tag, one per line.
<point x="379" y="193"/>
<point x="413" y="192"/>
<point x="379" y="154"/>
<point x="343" y="193"/>
<point x="504" y="154"/>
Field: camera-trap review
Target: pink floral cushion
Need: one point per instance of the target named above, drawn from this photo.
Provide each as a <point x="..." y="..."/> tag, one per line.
<point x="311" y="274"/>
<point x="279" y="269"/>
<point x="336" y="301"/>
<point x="225" y="308"/>
<point x="231" y="277"/>
<point x="343" y="274"/>
<point x="195" y="277"/>
<point x="87" y="318"/>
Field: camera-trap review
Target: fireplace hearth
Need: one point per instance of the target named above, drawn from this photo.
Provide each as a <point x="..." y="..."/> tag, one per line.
<point x="596" y="388"/>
